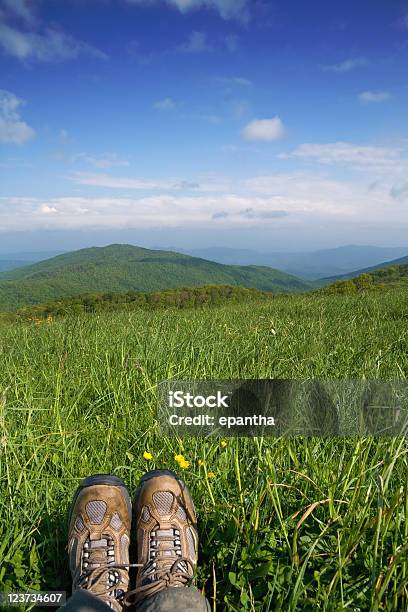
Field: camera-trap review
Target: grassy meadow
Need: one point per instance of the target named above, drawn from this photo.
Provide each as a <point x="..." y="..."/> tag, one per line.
<point x="285" y="524"/>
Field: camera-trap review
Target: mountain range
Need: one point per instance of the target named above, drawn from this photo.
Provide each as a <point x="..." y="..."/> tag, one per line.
<point x="308" y="265"/>
<point x="324" y="263"/>
<point x="121" y="267"/>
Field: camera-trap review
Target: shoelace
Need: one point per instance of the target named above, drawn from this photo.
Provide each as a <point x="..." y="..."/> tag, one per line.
<point x="157" y="555"/>
<point x="101" y="574"/>
<point x="162" y="570"/>
<point x="171" y="576"/>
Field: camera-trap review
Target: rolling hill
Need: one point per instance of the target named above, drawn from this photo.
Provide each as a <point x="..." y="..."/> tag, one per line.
<point x="121" y="267"/>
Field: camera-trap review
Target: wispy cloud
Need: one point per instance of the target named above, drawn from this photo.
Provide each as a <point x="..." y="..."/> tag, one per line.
<point x="290" y="199"/>
<point x="227" y="9"/>
<point x="22" y="36"/>
<point x="240" y="108"/>
<point x="107" y="160"/>
<point x="388" y="166"/>
<point x="213" y="119"/>
<point x="165" y="104"/>
<point x="197" y="43"/>
<point x="235" y="80"/>
<point x="20" y="8"/>
<point x="252" y="213"/>
<point x="368" y="97"/>
<point x="144" y="212"/>
<point x="347" y="65"/>
<point x="231" y="42"/>
<point x="115" y="182"/>
<point x="49" y="46"/>
<point x="265" y="130"/>
<point x="399" y="191"/>
<point x="12" y="129"/>
<point x="345" y="153"/>
<point x="402" y="21"/>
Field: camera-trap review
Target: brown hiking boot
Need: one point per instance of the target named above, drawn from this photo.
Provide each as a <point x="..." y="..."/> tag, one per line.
<point x="167" y="539"/>
<point x="98" y="538"/>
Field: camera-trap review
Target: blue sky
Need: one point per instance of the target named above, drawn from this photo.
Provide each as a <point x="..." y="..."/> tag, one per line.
<point x="259" y="124"/>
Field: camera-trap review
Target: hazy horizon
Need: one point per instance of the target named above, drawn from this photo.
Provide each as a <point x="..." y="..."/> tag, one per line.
<point x="172" y="247"/>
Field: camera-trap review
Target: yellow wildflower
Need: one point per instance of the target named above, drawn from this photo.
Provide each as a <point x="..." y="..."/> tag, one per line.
<point x="200" y="462"/>
<point x="211" y="475"/>
<point x="223" y="443"/>
<point x="181" y="460"/>
<point x="148" y="456"/>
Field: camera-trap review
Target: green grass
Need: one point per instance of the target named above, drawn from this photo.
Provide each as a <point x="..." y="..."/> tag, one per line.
<point x="286" y="524"/>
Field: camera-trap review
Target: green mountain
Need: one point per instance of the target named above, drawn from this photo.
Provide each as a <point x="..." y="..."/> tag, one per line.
<point x="120" y="267"/>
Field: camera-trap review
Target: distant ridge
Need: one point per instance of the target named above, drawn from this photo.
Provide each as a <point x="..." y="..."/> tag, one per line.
<point x="309" y="265"/>
<point x="11" y="264"/>
<point x="401" y="261"/>
<point x="122" y="267"/>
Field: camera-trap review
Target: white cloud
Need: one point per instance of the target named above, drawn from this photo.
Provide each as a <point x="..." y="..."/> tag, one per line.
<point x="346" y="153"/>
<point x="48" y="46"/>
<point x="108" y="160"/>
<point x="382" y="171"/>
<point x="264" y="129"/>
<point x="196" y="43"/>
<point x="145" y="212"/>
<point x="44" y="209"/>
<point x="165" y="104"/>
<point x="322" y="196"/>
<point x="227" y="9"/>
<point x="309" y="193"/>
<point x="291" y="201"/>
<point x="374" y="96"/>
<point x="346" y="65"/>
<point x="12" y="129"/>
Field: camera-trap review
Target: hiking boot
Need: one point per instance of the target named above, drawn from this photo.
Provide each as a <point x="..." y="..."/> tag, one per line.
<point x="167" y="538"/>
<point x="98" y="539"/>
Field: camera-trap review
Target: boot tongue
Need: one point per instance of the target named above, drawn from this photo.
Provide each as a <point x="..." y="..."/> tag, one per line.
<point x="166" y="552"/>
<point x="166" y="546"/>
<point x="97" y="553"/>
